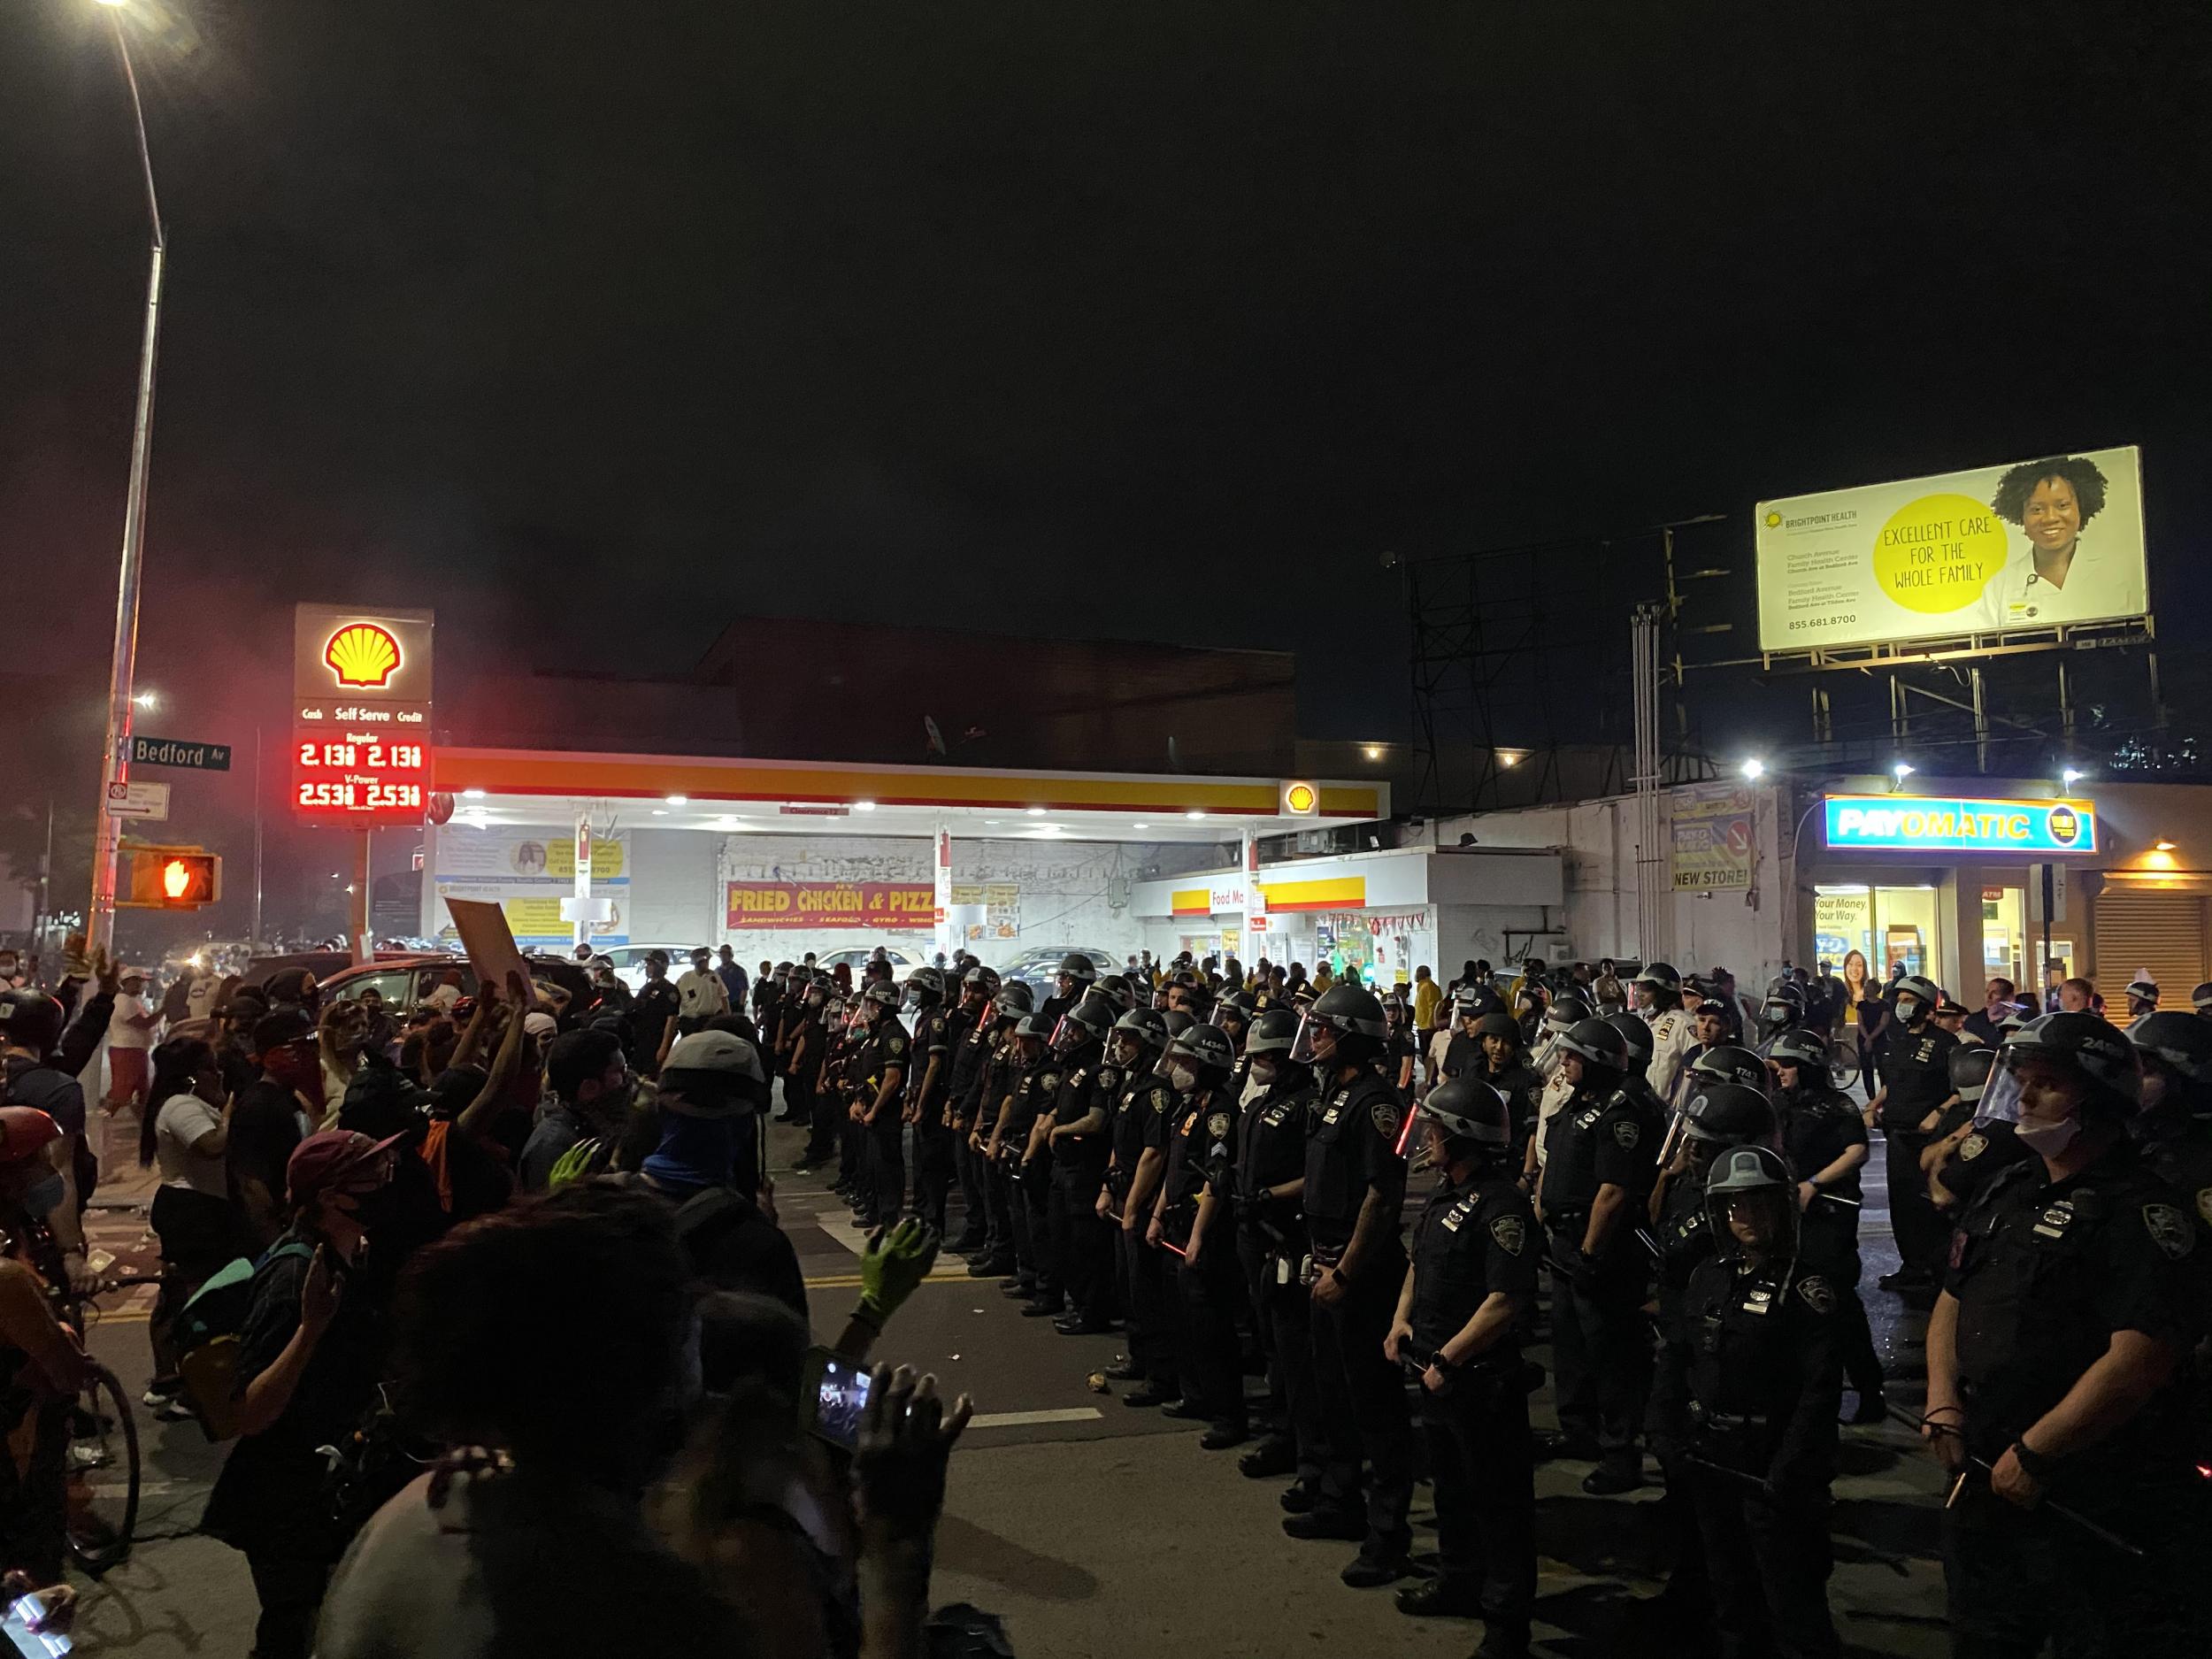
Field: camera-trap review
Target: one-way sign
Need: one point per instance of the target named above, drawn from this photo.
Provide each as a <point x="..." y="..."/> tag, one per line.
<point x="170" y="751"/>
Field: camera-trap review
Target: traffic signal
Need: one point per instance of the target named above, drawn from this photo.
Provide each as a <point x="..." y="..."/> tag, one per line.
<point x="170" y="877"/>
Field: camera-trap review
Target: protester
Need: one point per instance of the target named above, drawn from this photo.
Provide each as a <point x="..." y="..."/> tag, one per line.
<point x="270" y="1119"/>
<point x="309" y="1359"/>
<point x="188" y="1130"/>
<point x="43" y="1362"/>
<point x="577" y="1132"/>
<point x="130" y="1035"/>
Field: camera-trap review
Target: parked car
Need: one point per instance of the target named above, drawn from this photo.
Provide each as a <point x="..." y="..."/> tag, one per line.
<point x="629" y="961"/>
<point x="1038" y="967"/>
<point x="902" y="959"/>
<point x="407" y="981"/>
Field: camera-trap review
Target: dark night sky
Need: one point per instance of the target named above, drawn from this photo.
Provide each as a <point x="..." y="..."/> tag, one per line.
<point x="596" y="326"/>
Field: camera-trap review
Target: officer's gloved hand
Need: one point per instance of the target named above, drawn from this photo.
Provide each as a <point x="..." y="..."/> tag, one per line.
<point x="894" y="1263"/>
<point x="1583" y="1273"/>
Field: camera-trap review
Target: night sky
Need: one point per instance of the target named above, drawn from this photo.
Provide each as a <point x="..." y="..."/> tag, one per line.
<point x="596" y="326"/>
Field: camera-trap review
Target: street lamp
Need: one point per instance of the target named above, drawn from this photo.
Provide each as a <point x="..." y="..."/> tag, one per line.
<point x="100" y="920"/>
<point x="2072" y="775"/>
<point x="1753" y="769"/>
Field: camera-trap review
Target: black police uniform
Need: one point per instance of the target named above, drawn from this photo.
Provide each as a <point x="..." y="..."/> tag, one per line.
<point x="883" y="1048"/>
<point x="1748" y="1389"/>
<point x="968" y="1031"/>
<point x="1142" y="1112"/>
<point x="996" y="1079"/>
<point x="1272" y="1248"/>
<point x="1463" y="1056"/>
<point x="837" y="1083"/>
<point x="1984" y="1154"/>
<point x="1684" y="1234"/>
<point x="1523" y="1093"/>
<point x="1917" y="1073"/>
<point x="800" y="1087"/>
<point x="1201" y="1151"/>
<point x="1472" y="1243"/>
<point x="1599" y="1348"/>
<point x="649" y="1013"/>
<point x="2044" y="1272"/>
<point x="1352" y="1149"/>
<point x="933" y="1134"/>
<point x="1820" y="1125"/>
<point x="1080" y="1244"/>
<point x="1030" y="1192"/>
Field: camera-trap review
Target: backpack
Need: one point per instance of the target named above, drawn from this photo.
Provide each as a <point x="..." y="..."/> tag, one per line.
<point x="206" y="1337"/>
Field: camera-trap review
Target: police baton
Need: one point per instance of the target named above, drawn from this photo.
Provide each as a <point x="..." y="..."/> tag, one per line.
<point x="2102" y="1534"/>
<point x="1765" y="1488"/>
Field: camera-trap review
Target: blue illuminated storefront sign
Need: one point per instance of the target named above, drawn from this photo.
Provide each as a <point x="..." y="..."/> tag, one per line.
<point x="1926" y="824"/>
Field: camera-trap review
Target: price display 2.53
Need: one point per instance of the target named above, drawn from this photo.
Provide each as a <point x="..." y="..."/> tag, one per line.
<point x="358" y="778"/>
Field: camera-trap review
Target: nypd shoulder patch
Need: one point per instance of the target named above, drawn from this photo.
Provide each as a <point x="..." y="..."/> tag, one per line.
<point x="1159" y="1101"/>
<point x="1818" y="1294"/>
<point x="1386" y="1116"/>
<point x="1627" y="1134"/>
<point x="2170" y="1231"/>
<point x="1510" y="1233"/>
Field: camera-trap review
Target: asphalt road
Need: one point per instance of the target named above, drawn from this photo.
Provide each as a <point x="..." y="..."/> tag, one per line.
<point x="1097" y="1529"/>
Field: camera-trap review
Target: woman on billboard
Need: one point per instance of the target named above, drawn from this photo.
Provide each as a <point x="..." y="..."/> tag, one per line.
<point x="2060" y="577"/>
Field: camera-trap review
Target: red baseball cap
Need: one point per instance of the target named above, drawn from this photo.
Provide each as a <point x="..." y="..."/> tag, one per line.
<point x="326" y="1159"/>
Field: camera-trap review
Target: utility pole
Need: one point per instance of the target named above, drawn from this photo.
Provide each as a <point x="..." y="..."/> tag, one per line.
<point x="115" y="765"/>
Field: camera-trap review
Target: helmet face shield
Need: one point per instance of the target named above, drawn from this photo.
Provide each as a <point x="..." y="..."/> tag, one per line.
<point x="1315" y="1042"/>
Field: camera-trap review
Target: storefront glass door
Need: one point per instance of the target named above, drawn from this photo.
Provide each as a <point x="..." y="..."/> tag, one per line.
<point x="1885" y="926"/>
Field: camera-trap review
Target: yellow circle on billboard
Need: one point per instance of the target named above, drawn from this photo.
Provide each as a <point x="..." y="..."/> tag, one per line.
<point x="1302" y="797"/>
<point x="1937" y="553"/>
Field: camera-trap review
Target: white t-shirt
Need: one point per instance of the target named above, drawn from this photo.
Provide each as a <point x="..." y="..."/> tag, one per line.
<point x="183" y="1120"/>
<point x="702" y="993"/>
<point x="121" y="1033"/>
<point x="199" y="1001"/>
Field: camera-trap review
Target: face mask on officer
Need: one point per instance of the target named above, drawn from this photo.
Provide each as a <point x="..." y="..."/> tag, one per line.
<point x="1183" y="1075"/>
<point x="1265" y="1069"/>
<point x="1909" y="1009"/>
<point x="2050" y="1107"/>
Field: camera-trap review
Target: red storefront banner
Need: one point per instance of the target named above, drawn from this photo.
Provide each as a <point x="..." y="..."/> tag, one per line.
<point x="894" y="906"/>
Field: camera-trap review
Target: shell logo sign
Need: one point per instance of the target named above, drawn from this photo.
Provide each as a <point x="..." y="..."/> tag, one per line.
<point x="1300" y="799"/>
<point x="362" y="654"/>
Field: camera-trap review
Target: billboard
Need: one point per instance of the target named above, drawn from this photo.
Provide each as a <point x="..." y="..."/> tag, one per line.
<point x="2026" y="545"/>
<point x="1712" y="833"/>
<point x="1917" y="824"/>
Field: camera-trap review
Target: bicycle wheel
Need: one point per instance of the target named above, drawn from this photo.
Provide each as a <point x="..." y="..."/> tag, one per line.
<point x="101" y="1473"/>
<point x="1843" y="1062"/>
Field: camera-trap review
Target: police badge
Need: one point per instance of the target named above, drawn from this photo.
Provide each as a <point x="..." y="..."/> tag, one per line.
<point x="2169" y="1230"/>
<point x="1508" y="1231"/>
<point x="1218" y="1125"/>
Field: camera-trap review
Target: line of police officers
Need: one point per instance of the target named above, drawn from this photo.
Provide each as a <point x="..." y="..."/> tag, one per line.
<point x="1226" y="1175"/>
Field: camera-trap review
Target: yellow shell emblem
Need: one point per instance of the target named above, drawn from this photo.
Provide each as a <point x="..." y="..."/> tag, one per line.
<point x="362" y="654"/>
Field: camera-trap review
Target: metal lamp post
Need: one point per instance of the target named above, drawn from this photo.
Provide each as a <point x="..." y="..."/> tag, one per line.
<point x="115" y="766"/>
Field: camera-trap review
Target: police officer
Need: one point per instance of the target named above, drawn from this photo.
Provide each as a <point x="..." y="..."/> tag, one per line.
<point x="1080" y="1147"/>
<point x="1659" y="1000"/>
<point x="1782" y="1009"/>
<point x="1708" y="1024"/>
<point x="1472" y="1278"/>
<point x="2142" y="995"/>
<point x="2174" y="1128"/>
<point x="1133" y="1049"/>
<point x="999" y="1075"/>
<point x="1272" y="1247"/>
<point x="1598" y="1173"/>
<point x="1463" y="1054"/>
<point x="802" y="1075"/>
<point x="1824" y="1138"/>
<point x="1193" y="1220"/>
<point x="1748" y="1388"/>
<point x="1565" y="1014"/>
<point x="968" y="1032"/>
<point x="1725" y="1109"/>
<point x="1017" y="1143"/>
<point x="1355" y="1184"/>
<point x="929" y="1080"/>
<point x="1400" y="1052"/>
<point x="1076" y="975"/>
<point x="1503" y="1069"/>
<point x="1916" y="1062"/>
<point x="2066" y="1315"/>
<point x="877" y="1074"/>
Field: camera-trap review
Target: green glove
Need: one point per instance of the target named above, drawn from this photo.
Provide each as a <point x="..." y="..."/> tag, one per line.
<point x="893" y="1264"/>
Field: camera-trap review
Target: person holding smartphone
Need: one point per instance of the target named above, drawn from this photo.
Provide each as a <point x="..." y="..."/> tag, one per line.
<point x="309" y="1361"/>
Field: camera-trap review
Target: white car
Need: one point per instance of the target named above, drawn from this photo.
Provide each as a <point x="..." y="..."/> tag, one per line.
<point x="629" y="962"/>
<point x="901" y="960"/>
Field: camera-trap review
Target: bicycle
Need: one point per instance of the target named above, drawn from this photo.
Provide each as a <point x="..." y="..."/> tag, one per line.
<point x="101" y="1470"/>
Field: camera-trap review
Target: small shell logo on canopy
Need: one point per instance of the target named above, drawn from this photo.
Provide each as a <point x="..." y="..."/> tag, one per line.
<point x="362" y="654"/>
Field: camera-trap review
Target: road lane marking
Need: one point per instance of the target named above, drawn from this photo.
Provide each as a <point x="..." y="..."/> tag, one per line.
<point x="1022" y="1419"/>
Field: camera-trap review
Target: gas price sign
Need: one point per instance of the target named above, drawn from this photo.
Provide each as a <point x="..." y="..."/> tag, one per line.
<point x="364" y="778"/>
